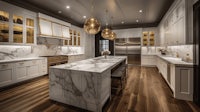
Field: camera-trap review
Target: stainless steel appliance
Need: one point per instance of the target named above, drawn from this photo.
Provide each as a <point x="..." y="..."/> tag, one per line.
<point x="130" y="47"/>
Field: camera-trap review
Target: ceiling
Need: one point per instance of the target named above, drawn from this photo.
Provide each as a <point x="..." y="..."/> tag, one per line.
<point x="120" y="10"/>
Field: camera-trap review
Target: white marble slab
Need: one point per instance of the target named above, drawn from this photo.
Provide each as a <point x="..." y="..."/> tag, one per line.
<point x="20" y="59"/>
<point x="97" y="65"/>
<point x="85" y="84"/>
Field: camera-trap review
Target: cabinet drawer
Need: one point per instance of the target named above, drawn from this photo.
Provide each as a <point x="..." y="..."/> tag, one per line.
<point x="6" y="66"/>
<point x="23" y="63"/>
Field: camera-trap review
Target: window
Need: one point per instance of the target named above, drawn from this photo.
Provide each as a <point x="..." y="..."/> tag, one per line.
<point x="103" y="45"/>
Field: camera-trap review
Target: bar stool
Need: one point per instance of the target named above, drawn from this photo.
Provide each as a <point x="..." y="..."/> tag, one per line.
<point x="119" y="75"/>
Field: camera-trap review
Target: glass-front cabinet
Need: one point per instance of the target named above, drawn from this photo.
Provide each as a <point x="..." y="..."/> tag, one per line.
<point x="30" y="30"/>
<point x="75" y="38"/>
<point x="4" y="26"/>
<point x="17" y="27"/>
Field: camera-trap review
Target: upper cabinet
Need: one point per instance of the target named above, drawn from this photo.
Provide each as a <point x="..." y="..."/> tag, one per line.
<point x="17" y="25"/>
<point x="54" y="28"/>
<point x="4" y="26"/>
<point x="176" y="26"/>
<point x="75" y="38"/>
<point x="45" y="27"/>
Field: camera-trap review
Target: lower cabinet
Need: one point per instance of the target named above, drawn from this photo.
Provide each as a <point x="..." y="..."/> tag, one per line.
<point x="73" y="58"/>
<point x="11" y="73"/>
<point x="6" y="74"/>
<point x="148" y="60"/>
<point x="179" y="78"/>
<point x="184" y="83"/>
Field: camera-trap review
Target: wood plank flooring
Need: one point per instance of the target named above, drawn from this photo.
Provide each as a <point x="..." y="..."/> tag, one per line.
<point x="145" y="91"/>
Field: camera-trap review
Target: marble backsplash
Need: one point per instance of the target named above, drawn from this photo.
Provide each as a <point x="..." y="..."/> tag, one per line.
<point x="13" y="52"/>
<point x="181" y="50"/>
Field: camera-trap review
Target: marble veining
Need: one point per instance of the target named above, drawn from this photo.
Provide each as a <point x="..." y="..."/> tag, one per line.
<point x="83" y="87"/>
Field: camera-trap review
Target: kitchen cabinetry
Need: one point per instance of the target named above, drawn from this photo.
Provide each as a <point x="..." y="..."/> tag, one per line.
<point x="148" y="60"/>
<point x="184" y="83"/>
<point x="11" y="73"/>
<point x="179" y="78"/>
<point x="17" y="25"/>
<point x="73" y="58"/>
<point x="53" y="28"/>
<point x="6" y="73"/>
<point x="75" y="38"/>
<point x="148" y="38"/>
<point x="176" y="26"/>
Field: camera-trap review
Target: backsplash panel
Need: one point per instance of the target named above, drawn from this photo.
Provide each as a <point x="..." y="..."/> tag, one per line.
<point x="13" y="52"/>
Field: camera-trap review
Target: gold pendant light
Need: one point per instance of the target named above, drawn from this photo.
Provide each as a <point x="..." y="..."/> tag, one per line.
<point x="92" y="25"/>
<point x="106" y="33"/>
<point x="112" y="36"/>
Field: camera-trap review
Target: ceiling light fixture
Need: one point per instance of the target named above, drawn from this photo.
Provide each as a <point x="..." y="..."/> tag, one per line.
<point x="84" y="17"/>
<point x="140" y="11"/>
<point x="68" y="7"/>
<point x="106" y="32"/>
<point x="112" y="35"/>
<point x="137" y="20"/>
<point x="59" y="12"/>
<point x="92" y="25"/>
<point x="122" y="22"/>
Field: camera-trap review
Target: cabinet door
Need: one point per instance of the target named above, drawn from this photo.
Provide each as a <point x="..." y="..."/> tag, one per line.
<point x="45" y="27"/>
<point x="21" y="73"/>
<point x="57" y="30"/>
<point x="65" y="32"/>
<point x="4" y="26"/>
<point x="5" y="76"/>
<point x="30" y="30"/>
<point x="33" y="70"/>
<point x="181" y="31"/>
<point x="18" y="31"/>
<point x="184" y="83"/>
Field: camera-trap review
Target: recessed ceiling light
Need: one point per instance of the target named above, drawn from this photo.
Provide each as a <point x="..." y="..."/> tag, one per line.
<point x="59" y="12"/>
<point x="140" y="11"/>
<point x="122" y="22"/>
<point x="106" y="24"/>
<point x="84" y="17"/>
<point x="137" y="20"/>
<point x="68" y="7"/>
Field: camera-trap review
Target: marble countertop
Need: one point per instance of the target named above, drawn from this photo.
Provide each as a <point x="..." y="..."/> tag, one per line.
<point x="62" y="55"/>
<point x="20" y="59"/>
<point x="97" y="65"/>
<point x="172" y="60"/>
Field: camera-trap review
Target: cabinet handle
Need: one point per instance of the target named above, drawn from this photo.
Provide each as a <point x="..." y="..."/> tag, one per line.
<point x="21" y="63"/>
<point x="4" y="65"/>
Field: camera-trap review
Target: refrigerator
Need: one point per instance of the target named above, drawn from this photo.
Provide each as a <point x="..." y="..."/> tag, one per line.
<point x="130" y="47"/>
<point x="196" y="25"/>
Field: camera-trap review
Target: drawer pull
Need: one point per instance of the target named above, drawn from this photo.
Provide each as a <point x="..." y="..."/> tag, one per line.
<point x="21" y="63"/>
<point x="4" y="65"/>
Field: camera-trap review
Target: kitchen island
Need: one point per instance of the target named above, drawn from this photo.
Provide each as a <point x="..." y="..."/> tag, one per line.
<point x="85" y="84"/>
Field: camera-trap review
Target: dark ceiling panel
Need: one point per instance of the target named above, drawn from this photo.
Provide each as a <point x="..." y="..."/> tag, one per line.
<point x="120" y="10"/>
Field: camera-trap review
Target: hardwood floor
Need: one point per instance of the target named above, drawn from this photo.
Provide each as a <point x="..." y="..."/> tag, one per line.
<point x="145" y="91"/>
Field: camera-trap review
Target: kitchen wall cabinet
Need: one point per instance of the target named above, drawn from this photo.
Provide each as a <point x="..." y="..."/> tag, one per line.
<point x="45" y="27"/>
<point x="17" y="25"/>
<point x="53" y="28"/>
<point x="176" y="26"/>
<point x="75" y="38"/>
<point x="11" y="73"/>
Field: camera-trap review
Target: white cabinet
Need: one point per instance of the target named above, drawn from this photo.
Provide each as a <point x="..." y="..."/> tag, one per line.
<point x="45" y="27"/>
<point x="148" y="60"/>
<point x="65" y="32"/>
<point x="6" y="73"/>
<point x="20" y="70"/>
<point x="11" y="73"/>
<point x="52" y="27"/>
<point x="179" y="78"/>
<point x="184" y="83"/>
<point x="57" y="30"/>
